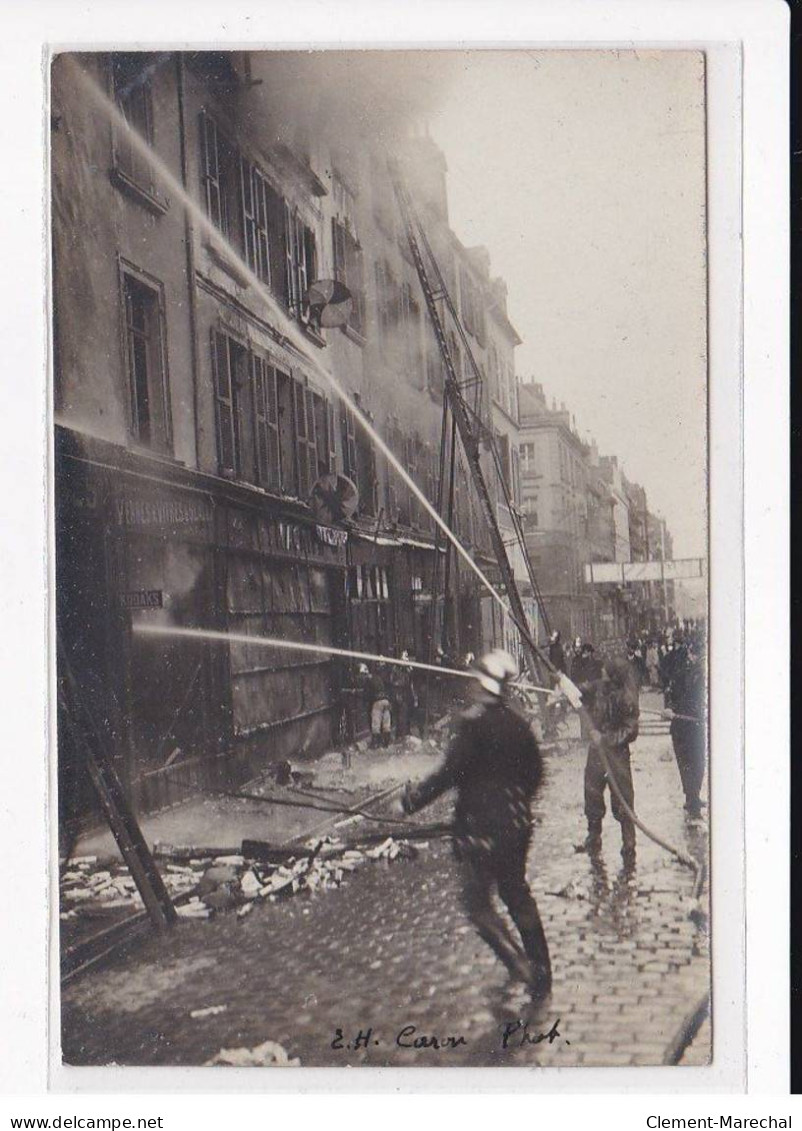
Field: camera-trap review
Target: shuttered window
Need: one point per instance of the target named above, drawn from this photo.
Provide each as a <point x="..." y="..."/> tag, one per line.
<point x="306" y="450"/>
<point x="253" y="191"/>
<point x="265" y="412"/>
<point x="348" y="270"/>
<point x="225" y="406"/>
<point x="210" y="169"/>
<point x="348" y="430"/>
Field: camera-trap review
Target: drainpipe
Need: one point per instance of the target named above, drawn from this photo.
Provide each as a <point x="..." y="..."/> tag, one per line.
<point x="189" y="239"/>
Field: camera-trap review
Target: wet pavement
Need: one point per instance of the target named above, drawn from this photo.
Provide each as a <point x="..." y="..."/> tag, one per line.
<point x="359" y="974"/>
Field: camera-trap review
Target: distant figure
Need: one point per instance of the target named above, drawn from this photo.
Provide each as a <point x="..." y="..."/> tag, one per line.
<point x="557" y="652"/>
<point x="586" y="668"/>
<point x="653" y="663"/>
<point x="612" y="704"/>
<point x="686" y="698"/>
<point x="495" y="765"/>
<point x="403" y="696"/>
<point x="326" y="498"/>
<point x="381" y="718"/>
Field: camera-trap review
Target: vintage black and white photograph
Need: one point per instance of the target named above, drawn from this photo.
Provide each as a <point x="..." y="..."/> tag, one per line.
<point x="380" y="484"/>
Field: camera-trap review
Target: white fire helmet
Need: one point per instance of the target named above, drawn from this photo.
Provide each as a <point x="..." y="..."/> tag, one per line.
<point x="495" y="669"/>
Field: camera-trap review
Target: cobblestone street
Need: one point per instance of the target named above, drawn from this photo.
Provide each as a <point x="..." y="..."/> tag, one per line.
<point x="392" y="950"/>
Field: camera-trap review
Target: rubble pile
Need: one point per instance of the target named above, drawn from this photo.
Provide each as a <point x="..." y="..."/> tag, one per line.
<point x="92" y="887"/>
<point x="207" y="885"/>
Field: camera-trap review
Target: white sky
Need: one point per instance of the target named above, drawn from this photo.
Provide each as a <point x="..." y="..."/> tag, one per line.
<point x="583" y="173"/>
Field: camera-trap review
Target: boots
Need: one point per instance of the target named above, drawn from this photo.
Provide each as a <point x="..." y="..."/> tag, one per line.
<point x="593" y="842"/>
<point x="386" y="739"/>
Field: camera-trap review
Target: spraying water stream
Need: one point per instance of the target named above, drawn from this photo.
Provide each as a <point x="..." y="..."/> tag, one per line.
<point x="292" y="335"/>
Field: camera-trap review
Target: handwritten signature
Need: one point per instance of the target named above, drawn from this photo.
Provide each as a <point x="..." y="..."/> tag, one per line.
<point x="514" y="1035"/>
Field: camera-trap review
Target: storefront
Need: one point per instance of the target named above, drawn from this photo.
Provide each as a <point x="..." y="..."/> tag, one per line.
<point x="139" y="541"/>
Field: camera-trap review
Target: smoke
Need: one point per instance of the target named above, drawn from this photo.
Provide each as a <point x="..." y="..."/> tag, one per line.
<point x="354" y="96"/>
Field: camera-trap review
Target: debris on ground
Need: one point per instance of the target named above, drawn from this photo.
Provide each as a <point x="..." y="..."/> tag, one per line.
<point x="267" y="1055"/>
<point x="207" y="886"/>
<point x="208" y="1011"/>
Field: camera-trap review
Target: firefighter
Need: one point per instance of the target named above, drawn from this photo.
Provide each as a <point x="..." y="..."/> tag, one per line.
<point x="495" y="766"/>
<point x="612" y="706"/>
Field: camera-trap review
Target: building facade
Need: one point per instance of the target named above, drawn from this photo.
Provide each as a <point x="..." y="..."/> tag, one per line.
<point x="194" y="416"/>
<point x="555" y="478"/>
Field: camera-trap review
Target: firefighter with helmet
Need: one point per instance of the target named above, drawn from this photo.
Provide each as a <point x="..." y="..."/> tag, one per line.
<point x="495" y="766"/>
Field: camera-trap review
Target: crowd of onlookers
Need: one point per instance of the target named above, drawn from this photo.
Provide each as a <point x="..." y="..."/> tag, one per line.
<point x="396" y="700"/>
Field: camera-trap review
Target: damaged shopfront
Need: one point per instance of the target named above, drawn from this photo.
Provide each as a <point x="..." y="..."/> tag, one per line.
<point x="141" y="540"/>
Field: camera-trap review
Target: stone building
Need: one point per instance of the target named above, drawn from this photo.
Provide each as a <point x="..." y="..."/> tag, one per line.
<point x="555" y="489"/>
<point x="194" y="415"/>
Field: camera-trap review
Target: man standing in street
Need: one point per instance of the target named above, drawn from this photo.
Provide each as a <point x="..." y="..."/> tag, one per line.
<point x="381" y="718"/>
<point x="685" y="698"/>
<point x="612" y="705"/>
<point x="495" y="765"/>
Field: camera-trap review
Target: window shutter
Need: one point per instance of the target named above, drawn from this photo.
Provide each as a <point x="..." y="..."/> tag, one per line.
<point x="311" y="440"/>
<point x="265" y="400"/>
<point x="331" y="442"/>
<point x="246" y="177"/>
<point x="356" y="282"/>
<point x="392" y="474"/>
<point x="290" y="258"/>
<point x="224" y="400"/>
<point x="259" y="394"/>
<point x="210" y="168"/>
<point x="301" y="462"/>
<point x="300" y="263"/>
<point x="262" y="237"/>
<point x="274" y="451"/>
<point x="338" y="247"/>
<point x="276" y="224"/>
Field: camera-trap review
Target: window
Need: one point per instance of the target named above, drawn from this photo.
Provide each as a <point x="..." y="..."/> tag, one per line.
<point x="368" y="583"/>
<point x="266" y="426"/>
<point x="528" y="457"/>
<point x="435" y="370"/>
<point x="220" y="177"/>
<point x="411" y="451"/>
<point x="530" y="512"/>
<point x="359" y="459"/>
<point x="254" y="190"/>
<point x="229" y="360"/>
<point x="306" y="438"/>
<point x="347" y="253"/>
<point x="272" y="430"/>
<point x="301" y="262"/>
<point x="386" y="300"/>
<point x="132" y="93"/>
<point x="348" y="426"/>
<point x="516" y="475"/>
<point x="397" y="490"/>
<point x="505" y="478"/>
<point x="242" y="203"/>
<point x="146" y="363"/>
<point x="413" y="340"/>
<point x="325" y="430"/>
<point x="348" y="269"/>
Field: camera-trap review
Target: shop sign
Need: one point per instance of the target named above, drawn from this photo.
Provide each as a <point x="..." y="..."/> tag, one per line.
<point x="142" y="599"/>
<point x="331" y="535"/>
<point x="296" y="540"/>
<point x="133" y="511"/>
